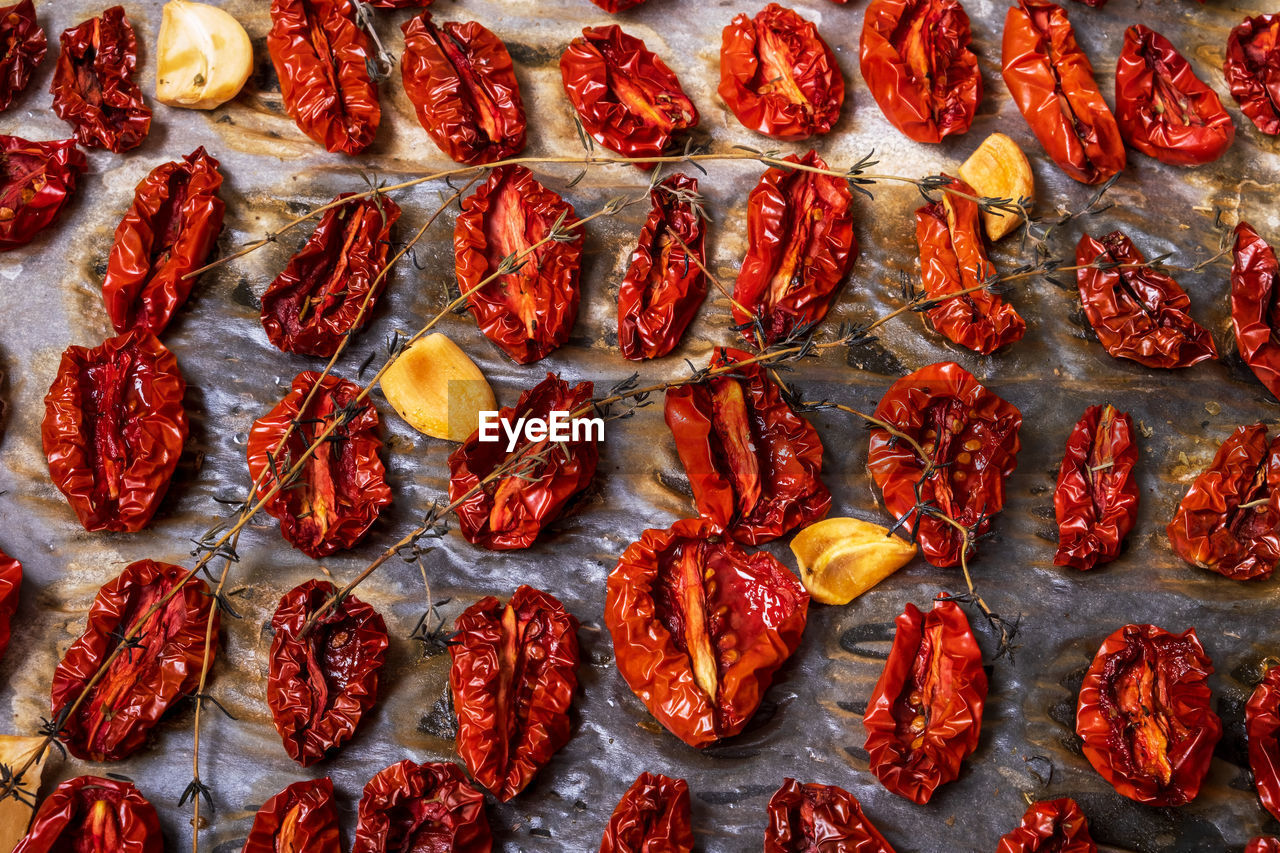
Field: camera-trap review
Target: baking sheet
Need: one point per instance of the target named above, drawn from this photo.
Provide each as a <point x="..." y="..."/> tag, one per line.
<point x="810" y="724"/>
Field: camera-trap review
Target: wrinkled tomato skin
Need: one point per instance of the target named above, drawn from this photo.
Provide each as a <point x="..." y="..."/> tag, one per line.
<point x="1143" y="672"/>
<point x="37" y="179"/>
<point x="1096" y="498"/>
<point x="302" y="817"/>
<point x="168" y="232"/>
<point x="1255" y="305"/>
<point x="69" y="818"/>
<point x="142" y="684"/>
<point x="653" y="816"/>
<point x="617" y="5"/>
<point x="1050" y="826"/>
<point x="1267" y="844"/>
<point x="808" y="818"/>
<point x="10" y="586"/>
<point x="1262" y="725"/>
<point x="113" y="430"/>
<point x="916" y="60"/>
<point x="408" y="807"/>
<point x="93" y="87"/>
<point x="24" y="47"/>
<point x="648" y="614"/>
<point x="1252" y="70"/>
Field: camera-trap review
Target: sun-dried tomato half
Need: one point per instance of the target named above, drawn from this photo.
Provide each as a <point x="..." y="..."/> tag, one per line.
<point x="1252" y="70"/>
<point x="1138" y="312"/>
<point x="1263" y="844"/>
<point x="321" y="684"/>
<point x="1229" y="520"/>
<point x="653" y="816"/>
<point x="92" y="814"/>
<point x="302" y="817"/>
<point x="143" y="682"/>
<point x="10" y="586"/>
<point x="422" y="808"/>
<point x="36" y="180"/>
<point x="22" y="47"/>
<point x="624" y="94"/>
<point x="529" y="311"/>
<point x="953" y="258"/>
<point x="93" y="88"/>
<point x="617" y="5"/>
<point x="664" y="284"/>
<point x="167" y="232"/>
<point x="699" y="627"/>
<point x="510" y="512"/>
<point x="800" y="247"/>
<point x="778" y="75"/>
<point x="970" y="436"/>
<point x="1262" y="725"/>
<point x="916" y="60"/>
<point x="808" y="818"/>
<point x="113" y="429"/>
<point x="1096" y="499"/>
<point x="342" y="487"/>
<point x="321" y="57"/>
<point x="1050" y="826"/>
<point x="311" y="306"/>
<point x="1255" y="305"/>
<point x="464" y="89"/>
<point x="754" y="465"/>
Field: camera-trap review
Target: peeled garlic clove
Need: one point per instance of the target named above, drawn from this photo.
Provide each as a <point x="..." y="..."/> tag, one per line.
<point x="204" y="56"/>
<point x="841" y="558"/>
<point x="438" y="389"/>
<point x="999" y="169"/>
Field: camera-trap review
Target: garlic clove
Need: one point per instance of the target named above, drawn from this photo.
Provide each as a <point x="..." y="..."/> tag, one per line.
<point x="438" y="389"/>
<point x="204" y="56"/>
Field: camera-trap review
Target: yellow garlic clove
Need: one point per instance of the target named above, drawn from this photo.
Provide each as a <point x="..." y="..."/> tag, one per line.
<point x="438" y="389"/>
<point x="203" y="56"/>
<point x="16" y="811"/>
<point x="999" y="169"/>
<point x="841" y="558"/>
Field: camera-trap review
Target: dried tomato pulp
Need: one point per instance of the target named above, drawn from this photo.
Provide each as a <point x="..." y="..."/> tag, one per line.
<point x="916" y="60"/>
<point x="167" y="232"/>
<point x="1051" y="81"/>
<point x="624" y="94"/>
<point x="464" y="89"/>
<point x="93" y="88"/>
<point x="143" y="682"/>
<point x="330" y="286"/>
<point x="91" y="814"/>
<point x="778" y="75"/>
<point x="302" y="817"/>
<point x="321" y="683"/>
<point x="510" y="512"/>
<point x="1255" y="305"/>
<point x="1096" y="499"/>
<point x="410" y="808"/>
<point x="515" y="669"/>
<point x="664" y="284"/>
<point x="699" y="627"/>
<point x="1229" y="520"/>
<point x="36" y="181"/>
<point x="754" y="465"/>
<point x="800" y="247"/>
<point x="341" y="487"/>
<point x="1145" y="715"/>
<point x="10" y="586"/>
<point x="113" y="429"/>
<point x="529" y="311"/>
<point x="953" y="259"/>
<point x="1050" y="826"/>
<point x="653" y="816"/>
<point x="970" y="439"/>
<point x="22" y="48"/>
<point x="805" y="818"/>
<point x="1252" y="70"/>
<point x="1262" y="725"/>
<point x="1138" y="312"/>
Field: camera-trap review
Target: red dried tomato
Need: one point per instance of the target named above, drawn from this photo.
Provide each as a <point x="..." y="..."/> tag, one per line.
<point x="778" y="75"/>
<point x="1052" y="83"/>
<point x="1163" y="109"/>
<point x="36" y="180"/>
<point x="800" y="246"/>
<point x="1252" y="70"/>
<point x="1262" y="725"/>
<point x="953" y="258"/>
<point x="142" y="683"/>
<point x="1145" y="714"/>
<point x="1263" y="844"/>
<point x="1138" y="312"/>
<point x="410" y="807"/>
<point x="342" y="486"/>
<point x="1255" y="305"/>
<point x="301" y="817"/>
<point x="168" y="231"/>
<point x="971" y="438"/>
<point x="93" y="88"/>
<point x="464" y="89"/>
<point x="321" y="684"/>
<point x="653" y="816"/>
<point x="528" y="312"/>
<point x="1096" y="499"/>
<point x="754" y="465"/>
<point x="10" y="586"/>
<point x="311" y="306"/>
<point x="1050" y="826"/>
<point x="113" y="429"/>
<point x="664" y="284"/>
<point x="514" y="672"/>
<point x="699" y="627"/>
<point x="925" y="714"/>
<point x="617" y="5"/>
<point x="1229" y="521"/>
<point x="398" y="4"/>
<point x="916" y="60"/>
<point x="321" y="57"/>
<point x="624" y="94"/>
<point x="91" y="813"/>
<point x="23" y="47"/>
<point x="811" y="817"/>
